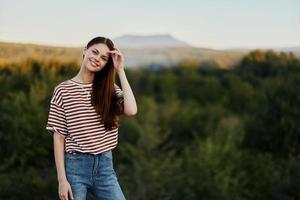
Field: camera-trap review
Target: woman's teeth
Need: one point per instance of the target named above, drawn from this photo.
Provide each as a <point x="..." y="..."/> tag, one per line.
<point x="94" y="64"/>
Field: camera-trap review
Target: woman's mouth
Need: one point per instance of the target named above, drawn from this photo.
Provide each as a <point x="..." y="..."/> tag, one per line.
<point x="94" y="64"/>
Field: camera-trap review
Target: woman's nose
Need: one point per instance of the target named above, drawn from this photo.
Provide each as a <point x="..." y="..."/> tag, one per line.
<point x="97" y="59"/>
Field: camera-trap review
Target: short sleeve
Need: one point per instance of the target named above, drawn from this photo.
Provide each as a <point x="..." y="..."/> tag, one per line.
<point x="119" y="94"/>
<point x="56" y="115"/>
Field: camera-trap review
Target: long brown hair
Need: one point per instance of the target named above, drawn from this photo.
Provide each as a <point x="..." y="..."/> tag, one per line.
<point x="104" y="98"/>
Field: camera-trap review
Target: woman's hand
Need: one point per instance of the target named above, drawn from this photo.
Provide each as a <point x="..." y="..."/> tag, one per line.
<point x="63" y="189"/>
<point x="118" y="59"/>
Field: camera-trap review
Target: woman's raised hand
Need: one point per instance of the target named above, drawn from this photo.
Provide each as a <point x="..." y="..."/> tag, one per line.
<point x="118" y="59"/>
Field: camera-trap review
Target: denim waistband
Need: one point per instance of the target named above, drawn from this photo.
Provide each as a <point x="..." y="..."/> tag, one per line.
<point x="78" y="152"/>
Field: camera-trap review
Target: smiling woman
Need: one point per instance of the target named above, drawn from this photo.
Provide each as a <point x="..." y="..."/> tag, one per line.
<point x="84" y="119"/>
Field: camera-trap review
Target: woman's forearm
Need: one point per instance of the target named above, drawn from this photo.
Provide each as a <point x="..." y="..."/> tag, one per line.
<point x="130" y="107"/>
<point x="59" y="142"/>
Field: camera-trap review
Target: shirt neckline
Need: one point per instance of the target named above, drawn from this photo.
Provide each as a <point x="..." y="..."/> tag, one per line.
<point x="78" y="83"/>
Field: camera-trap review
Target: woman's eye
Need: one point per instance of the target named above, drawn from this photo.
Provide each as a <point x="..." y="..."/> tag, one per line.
<point x="94" y="52"/>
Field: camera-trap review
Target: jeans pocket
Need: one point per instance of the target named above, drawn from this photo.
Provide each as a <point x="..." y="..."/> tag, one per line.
<point x="107" y="155"/>
<point x="75" y="156"/>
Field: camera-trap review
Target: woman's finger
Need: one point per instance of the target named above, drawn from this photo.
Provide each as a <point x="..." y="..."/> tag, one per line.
<point x="115" y="55"/>
<point x="117" y="49"/>
<point x="71" y="193"/>
<point x="62" y="197"/>
<point x="113" y="51"/>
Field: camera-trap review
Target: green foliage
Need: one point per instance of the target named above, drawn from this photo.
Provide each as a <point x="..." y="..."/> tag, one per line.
<point x="200" y="132"/>
<point x="273" y="126"/>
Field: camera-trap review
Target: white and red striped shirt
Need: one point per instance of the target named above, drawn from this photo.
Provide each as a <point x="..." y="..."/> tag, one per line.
<point x="72" y="115"/>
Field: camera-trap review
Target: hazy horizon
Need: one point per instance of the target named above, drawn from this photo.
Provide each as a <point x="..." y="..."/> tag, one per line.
<point x="218" y="25"/>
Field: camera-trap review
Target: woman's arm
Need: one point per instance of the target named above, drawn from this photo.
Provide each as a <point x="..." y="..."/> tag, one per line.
<point x="59" y="155"/>
<point x="59" y="145"/>
<point x="130" y="107"/>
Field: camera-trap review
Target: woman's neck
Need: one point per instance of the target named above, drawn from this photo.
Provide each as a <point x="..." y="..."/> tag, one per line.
<point x="84" y="76"/>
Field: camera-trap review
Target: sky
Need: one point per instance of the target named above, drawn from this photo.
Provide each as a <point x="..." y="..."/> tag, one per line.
<point x="219" y="24"/>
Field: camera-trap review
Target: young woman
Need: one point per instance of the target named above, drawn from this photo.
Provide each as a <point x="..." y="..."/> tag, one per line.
<point x="84" y="119"/>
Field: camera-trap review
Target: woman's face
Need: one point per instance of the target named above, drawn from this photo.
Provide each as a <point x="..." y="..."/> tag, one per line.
<point x="96" y="57"/>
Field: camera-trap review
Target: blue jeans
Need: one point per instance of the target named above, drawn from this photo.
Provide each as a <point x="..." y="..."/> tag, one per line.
<point x="92" y="173"/>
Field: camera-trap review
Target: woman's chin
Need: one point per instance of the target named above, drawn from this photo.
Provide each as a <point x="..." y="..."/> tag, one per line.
<point x="93" y="69"/>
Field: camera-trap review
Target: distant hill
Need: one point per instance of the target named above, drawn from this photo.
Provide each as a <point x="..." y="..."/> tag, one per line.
<point x="171" y="56"/>
<point x="149" y="41"/>
<point x="165" y="51"/>
<point x="18" y="52"/>
<point x="134" y="57"/>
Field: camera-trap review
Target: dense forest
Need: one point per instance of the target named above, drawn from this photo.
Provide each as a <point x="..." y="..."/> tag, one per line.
<point x="201" y="132"/>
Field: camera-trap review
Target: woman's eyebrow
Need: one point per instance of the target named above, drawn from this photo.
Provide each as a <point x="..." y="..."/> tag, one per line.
<point x="99" y="51"/>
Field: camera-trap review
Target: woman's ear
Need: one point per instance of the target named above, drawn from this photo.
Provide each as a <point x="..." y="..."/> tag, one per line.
<point x="83" y="52"/>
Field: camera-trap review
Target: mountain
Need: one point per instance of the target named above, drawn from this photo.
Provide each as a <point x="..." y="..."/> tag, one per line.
<point x="142" y="51"/>
<point x="171" y="56"/>
<point x="134" y="57"/>
<point x="149" y="41"/>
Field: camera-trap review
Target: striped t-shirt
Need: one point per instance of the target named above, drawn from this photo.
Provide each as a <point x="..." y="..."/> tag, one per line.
<point x="72" y="115"/>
